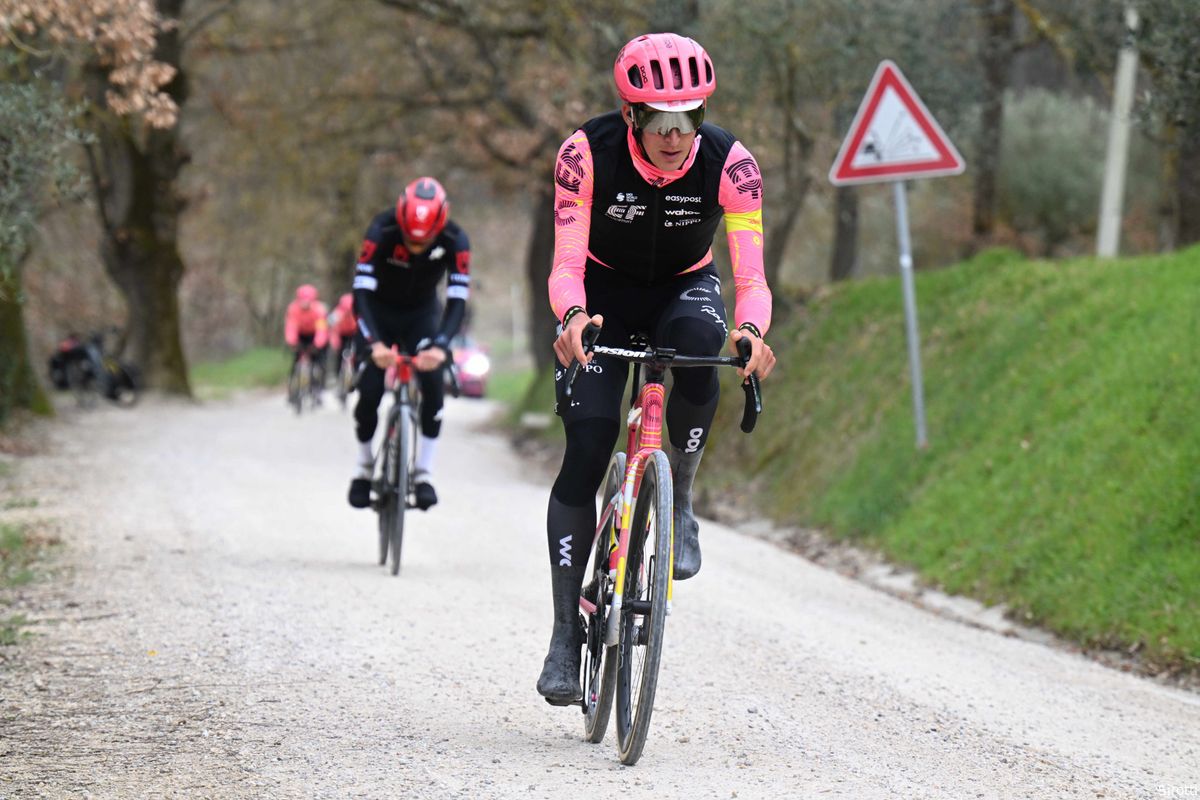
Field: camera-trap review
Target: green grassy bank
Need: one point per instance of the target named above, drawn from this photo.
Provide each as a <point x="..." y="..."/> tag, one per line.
<point x="1063" y="472"/>
<point x="257" y="367"/>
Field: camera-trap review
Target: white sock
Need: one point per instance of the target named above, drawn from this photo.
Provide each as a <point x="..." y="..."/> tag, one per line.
<point x="425" y="453"/>
<point x="366" y="460"/>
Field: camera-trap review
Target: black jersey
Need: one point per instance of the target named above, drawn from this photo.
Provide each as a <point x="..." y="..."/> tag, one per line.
<point x="390" y="277"/>
<point x="650" y="232"/>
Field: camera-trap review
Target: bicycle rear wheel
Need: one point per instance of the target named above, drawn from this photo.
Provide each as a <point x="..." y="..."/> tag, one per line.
<point x="600" y="662"/>
<point x="402" y="431"/>
<point x="644" y="610"/>
<point x="294" y="397"/>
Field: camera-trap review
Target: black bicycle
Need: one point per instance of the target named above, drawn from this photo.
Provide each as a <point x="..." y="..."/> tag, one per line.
<point x="393" y="486"/>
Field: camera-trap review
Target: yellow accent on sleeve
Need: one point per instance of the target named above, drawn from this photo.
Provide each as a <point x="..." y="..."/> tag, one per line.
<point x="744" y="221"/>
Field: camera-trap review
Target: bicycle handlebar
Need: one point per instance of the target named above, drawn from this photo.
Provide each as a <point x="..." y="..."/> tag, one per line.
<point x="751" y="386"/>
<point x="447" y="365"/>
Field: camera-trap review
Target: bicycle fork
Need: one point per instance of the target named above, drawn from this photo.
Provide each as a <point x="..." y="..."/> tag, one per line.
<point x="612" y="630"/>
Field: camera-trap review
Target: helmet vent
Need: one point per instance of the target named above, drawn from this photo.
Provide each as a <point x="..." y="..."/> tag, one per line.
<point x="693" y="71"/>
<point x="656" y="73"/>
<point x="635" y="77"/>
<point x="676" y="74"/>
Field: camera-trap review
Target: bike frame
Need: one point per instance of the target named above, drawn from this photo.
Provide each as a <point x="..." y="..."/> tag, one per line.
<point x="645" y="425"/>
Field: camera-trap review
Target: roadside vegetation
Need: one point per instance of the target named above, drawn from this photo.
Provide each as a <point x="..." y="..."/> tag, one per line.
<point x="1063" y="472"/>
<point x="21" y="549"/>
<point x="255" y="368"/>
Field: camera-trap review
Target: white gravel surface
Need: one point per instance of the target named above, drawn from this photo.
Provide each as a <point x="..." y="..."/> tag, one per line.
<point x="223" y="631"/>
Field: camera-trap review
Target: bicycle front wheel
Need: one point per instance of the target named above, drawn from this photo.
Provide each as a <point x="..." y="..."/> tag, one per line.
<point x="402" y="431"/>
<point x="644" y="610"/>
<point x="384" y="502"/>
<point x="600" y="662"/>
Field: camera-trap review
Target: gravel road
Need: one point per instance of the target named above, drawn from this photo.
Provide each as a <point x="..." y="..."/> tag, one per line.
<point x="221" y="630"/>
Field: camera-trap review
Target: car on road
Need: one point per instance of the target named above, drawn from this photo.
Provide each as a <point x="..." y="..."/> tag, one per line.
<point x="471" y="366"/>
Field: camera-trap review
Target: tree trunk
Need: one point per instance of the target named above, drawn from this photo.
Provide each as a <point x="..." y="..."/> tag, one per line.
<point x="780" y="232"/>
<point x="538" y="261"/>
<point x="19" y="387"/>
<point x="342" y="246"/>
<point x="998" y="34"/>
<point x="1189" y="187"/>
<point x="134" y="173"/>
<point x="845" y="234"/>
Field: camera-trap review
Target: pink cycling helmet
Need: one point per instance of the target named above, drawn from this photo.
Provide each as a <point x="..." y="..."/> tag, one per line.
<point x="666" y="71"/>
<point x="346" y="301"/>
<point x="306" y="293"/>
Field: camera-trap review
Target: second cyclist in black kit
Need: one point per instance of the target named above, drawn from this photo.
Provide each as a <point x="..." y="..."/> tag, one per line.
<point x="407" y="253"/>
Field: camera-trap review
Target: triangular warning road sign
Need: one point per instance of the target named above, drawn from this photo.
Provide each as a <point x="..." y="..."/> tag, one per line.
<point x="893" y="136"/>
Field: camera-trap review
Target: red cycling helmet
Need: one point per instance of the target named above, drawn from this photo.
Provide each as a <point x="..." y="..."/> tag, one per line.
<point x="307" y="293"/>
<point x="422" y="210"/>
<point x="666" y="71"/>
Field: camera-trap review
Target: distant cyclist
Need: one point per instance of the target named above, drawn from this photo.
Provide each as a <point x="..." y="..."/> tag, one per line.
<point x="639" y="195"/>
<point x="343" y="324"/>
<point x="407" y="253"/>
<point x="306" y="331"/>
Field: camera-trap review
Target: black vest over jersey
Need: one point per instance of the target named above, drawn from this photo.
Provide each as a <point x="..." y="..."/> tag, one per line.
<point x="646" y="232"/>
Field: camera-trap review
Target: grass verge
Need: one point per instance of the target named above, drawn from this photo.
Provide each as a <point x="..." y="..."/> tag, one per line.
<point x="20" y="550"/>
<point x="254" y="368"/>
<point x="1063" y="473"/>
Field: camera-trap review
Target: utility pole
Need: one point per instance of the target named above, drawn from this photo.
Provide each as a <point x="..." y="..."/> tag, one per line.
<point x="1108" y="238"/>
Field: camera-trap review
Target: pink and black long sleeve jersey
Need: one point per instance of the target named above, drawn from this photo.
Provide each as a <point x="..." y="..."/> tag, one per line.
<point x="615" y="210"/>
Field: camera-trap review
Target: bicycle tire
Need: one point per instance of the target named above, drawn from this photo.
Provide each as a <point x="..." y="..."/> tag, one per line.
<point x="385" y="523"/>
<point x="600" y="662"/>
<point x="294" y="387"/>
<point x="399" y="488"/>
<point x="647" y="578"/>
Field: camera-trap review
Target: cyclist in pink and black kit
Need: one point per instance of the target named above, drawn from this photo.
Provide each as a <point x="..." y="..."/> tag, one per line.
<point x="342" y="326"/>
<point x="640" y="193"/>
<point x="306" y="331"/>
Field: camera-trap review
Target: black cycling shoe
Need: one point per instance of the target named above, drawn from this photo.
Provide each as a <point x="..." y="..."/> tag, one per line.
<point x="559" y="681"/>
<point x="426" y="496"/>
<point x="360" y="492"/>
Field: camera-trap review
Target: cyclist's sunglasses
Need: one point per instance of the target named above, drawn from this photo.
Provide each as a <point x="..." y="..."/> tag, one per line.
<point x="663" y="122"/>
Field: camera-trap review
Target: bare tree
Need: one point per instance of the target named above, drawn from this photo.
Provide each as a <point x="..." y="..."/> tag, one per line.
<point x="134" y="170"/>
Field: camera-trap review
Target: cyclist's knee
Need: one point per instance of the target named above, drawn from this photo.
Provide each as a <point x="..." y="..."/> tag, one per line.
<point x="589" y="446"/>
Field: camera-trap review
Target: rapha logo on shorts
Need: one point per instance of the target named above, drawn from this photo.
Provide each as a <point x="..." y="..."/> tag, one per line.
<point x="624" y="213"/>
<point x="626" y="197"/>
<point x="687" y="295"/>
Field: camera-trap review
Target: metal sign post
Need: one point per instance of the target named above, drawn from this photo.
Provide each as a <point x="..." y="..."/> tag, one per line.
<point x="911" y="330"/>
<point x="894" y="138"/>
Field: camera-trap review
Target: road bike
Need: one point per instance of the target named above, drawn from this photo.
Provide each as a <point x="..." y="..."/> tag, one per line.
<point x="394" y="489"/>
<point x="90" y="371"/>
<point x="625" y="604"/>
<point x="303" y="387"/>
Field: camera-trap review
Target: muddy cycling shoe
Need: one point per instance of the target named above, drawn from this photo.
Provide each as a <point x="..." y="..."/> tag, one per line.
<point x="360" y="492"/>
<point x="559" y="681"/>
<point x="426" y="496"/>
<point x="687" y="530"/>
